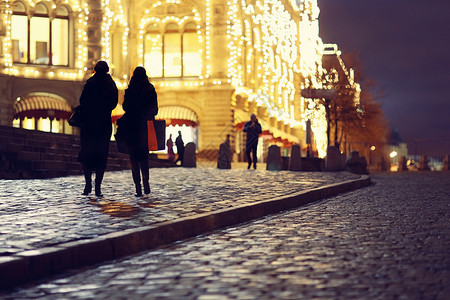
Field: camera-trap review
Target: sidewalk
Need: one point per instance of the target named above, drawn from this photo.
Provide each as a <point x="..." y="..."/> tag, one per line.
<point x="46" y="226"/>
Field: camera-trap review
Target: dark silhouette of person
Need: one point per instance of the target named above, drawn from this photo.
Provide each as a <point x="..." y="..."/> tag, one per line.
<point x="253" y="130"/>
<point x="169" y="144"/>
<point x="180" y="148"/>
<point x="140" y="104"/>
<point x="98" y="98"/>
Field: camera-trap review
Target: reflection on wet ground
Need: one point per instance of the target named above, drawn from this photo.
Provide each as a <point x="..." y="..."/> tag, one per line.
<point x="121" y="209"/>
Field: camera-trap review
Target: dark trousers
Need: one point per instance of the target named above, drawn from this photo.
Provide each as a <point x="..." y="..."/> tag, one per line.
<point x="180" y="156"/>
<point x="251" y="149"/>
<point x="139" y="166"/>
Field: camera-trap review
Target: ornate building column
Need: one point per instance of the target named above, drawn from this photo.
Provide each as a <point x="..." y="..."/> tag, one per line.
<point x="94" y="33"/>
<point x="134" y="19"/>
<point x="219" y="52"/>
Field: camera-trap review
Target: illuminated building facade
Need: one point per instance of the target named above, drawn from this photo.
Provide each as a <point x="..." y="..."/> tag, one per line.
<point x="213" y="63"/>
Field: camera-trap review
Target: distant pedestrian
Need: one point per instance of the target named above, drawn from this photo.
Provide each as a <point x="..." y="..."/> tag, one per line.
<point x="169" y="144"/>
<point x="180" y="148"/>
<point x="140" y="105"/>
<point x="98" y="98"/>
<point x="253" y="130"/>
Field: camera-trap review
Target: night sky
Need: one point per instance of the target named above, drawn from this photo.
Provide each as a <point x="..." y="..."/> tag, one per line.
<point x="404" y="45"/>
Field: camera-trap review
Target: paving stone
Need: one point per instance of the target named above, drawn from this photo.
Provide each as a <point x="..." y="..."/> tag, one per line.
<point x="46" y="212"/>
<point x="387" y="241"/>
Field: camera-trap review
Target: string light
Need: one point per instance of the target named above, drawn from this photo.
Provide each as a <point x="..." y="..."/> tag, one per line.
<point x="274" y="50"/>
<point x="79" y="21"/>
<point x="271" y="45"/>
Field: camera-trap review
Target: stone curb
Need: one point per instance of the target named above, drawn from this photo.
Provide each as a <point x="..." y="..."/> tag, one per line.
<point x="36" y="264"/>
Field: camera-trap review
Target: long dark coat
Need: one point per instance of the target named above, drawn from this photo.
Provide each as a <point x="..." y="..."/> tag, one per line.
<point x="253" y="133"/>
<point x="140" y="104"/>
<point x="98" y="99"/>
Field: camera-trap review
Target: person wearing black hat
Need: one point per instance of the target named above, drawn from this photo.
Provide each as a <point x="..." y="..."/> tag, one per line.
<point x="140" y="105"/>
<point x="98" y="98"/>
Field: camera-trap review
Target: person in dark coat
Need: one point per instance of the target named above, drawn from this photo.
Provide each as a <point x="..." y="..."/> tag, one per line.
<point x="169" y="144"/>
<point x="253" y="129"/>
<point x="140" y="104"/>
<point x="98" y="98"/>
<point x="180" y="148"/>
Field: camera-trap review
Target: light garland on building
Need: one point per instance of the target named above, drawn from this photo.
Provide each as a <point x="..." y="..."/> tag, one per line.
<point x="272" y="53"/>
<point x="110" y="17"/>
<point x="281" y="47"/>
<point x="195" y="17"/>
<point x="80" y="24"/>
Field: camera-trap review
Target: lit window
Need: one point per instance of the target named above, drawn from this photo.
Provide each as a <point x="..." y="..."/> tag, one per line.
<point x="36" y="40"/>
<point x="192" y="62"/>
<point x="172" y="53"/>
<point x="60" y="37"/>
<point x="40" y="36"/>
<point x="19" y="33"/>
<point x="153" y="55"/>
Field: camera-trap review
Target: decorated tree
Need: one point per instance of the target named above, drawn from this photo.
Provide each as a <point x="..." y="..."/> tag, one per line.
<point x="354" y="116"/>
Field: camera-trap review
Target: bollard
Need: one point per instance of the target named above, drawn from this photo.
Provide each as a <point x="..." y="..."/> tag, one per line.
<point x="190" y="157"/>
<point x="402" y="164"/>
<point x="446" y="164"/>
<point x="333" y="159"/>
<point x="423" y="163"/>
<point x="295" y="161"/>
<point x="356" y="164"/>
<point x="225" y="157"/>
<point x="274" y="159"/>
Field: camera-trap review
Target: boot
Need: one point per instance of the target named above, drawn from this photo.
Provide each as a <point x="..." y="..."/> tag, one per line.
<point x="138" y="190"/>
<point x="88" y="179"/>
<point x="87" y="188"/>
<point x="145" y="176"/>
<point x="136" y="173"/>
<point x="98" y="190"/>
<point x="98" y="182"/>
<point x="146" y="187"/>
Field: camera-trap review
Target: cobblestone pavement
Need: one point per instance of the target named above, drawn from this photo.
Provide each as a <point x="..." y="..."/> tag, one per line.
<point x="39" y="213"/>
<point x="387" y="241"/>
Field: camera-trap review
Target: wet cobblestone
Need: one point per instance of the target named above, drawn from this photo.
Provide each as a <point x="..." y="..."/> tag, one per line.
<point x="387" y="241"/>
<point x="40" y="213"/>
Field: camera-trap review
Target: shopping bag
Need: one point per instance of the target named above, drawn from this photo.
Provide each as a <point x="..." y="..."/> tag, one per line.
<point x="156" y="135"/>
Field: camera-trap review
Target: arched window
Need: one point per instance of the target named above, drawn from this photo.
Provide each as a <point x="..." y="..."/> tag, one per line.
<point x="153" y="58"/>
<point x="19" y="33"/>
<point x="40" y="36"/>
<point x="60" y="37"/>
<point x="192" y="61"/>
<point x="173" y="52"/>
<point x="40" y="39"/>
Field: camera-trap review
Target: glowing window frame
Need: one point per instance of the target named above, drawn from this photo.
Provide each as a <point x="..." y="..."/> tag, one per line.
<point x="172" y="27"/>
<point x="48" y="14"/>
